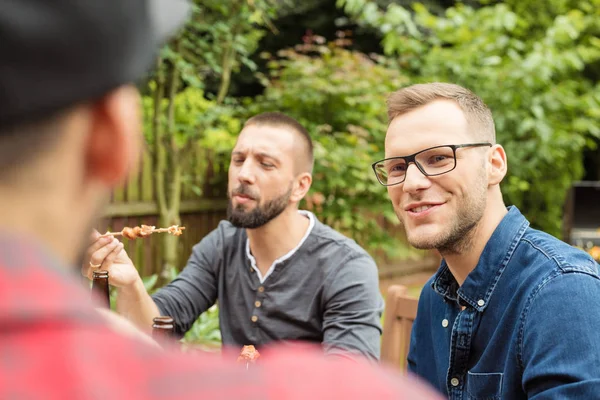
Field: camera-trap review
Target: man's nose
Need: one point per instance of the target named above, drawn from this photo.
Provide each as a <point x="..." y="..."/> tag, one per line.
<point x="246" y="173"/>
<point x="415" y="179"/>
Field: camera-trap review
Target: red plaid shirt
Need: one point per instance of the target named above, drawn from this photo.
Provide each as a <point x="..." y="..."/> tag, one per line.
<point x="53" y="345"/>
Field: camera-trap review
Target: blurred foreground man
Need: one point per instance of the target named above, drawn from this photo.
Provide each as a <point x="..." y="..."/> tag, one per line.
<point x="512" y="312"/>
<point x="69" y="133"/>
<point x="277" y="272"/>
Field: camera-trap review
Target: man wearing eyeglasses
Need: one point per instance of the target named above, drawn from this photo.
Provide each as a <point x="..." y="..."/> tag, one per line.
<point x="512" y="312"/>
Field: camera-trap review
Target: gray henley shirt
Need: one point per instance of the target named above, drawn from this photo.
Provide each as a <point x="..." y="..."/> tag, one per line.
<point x="326" y="291"/>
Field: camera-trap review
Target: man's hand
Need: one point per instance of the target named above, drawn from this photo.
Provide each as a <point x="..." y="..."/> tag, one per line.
<point x="133" y="301"/>
<point x="107" y="253"/>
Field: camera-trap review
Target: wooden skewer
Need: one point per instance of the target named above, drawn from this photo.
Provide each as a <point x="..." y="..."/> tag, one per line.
<point x="112" y="234"/>
<point x="172" y="230"/>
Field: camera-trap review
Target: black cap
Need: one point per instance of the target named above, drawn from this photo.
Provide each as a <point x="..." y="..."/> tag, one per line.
<point x="56" y="53"/>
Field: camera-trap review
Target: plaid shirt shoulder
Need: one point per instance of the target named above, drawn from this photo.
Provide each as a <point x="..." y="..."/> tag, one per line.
<point x="53" y="345"/>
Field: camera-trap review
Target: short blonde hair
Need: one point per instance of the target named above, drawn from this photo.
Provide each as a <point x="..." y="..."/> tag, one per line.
<point x="478" y="115"/>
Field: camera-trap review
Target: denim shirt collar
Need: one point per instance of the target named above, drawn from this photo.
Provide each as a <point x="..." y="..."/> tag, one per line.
<point x="479" y="285"/>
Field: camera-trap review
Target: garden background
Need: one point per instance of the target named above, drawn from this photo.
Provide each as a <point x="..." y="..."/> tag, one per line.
<point x="330" y="64"/>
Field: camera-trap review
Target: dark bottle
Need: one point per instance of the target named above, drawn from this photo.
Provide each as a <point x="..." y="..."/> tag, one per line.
<point x="100" y="288"/>
<point x="162" y="328"/>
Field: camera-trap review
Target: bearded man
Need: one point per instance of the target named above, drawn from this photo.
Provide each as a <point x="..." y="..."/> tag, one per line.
<point x="277" y="273"/>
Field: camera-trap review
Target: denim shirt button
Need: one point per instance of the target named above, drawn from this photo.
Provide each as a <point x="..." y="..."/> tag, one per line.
<point x="480" y="303"/>
<point x="454" y="381"/>
<point x="445" y="323"/>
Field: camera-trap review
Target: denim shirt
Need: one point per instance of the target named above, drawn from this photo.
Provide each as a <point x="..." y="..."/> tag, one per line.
<point x="530" y="328"/>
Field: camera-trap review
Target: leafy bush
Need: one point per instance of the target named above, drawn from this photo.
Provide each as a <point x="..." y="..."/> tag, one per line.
<point x="205" y="332"/>
<point x="531" y="71"/>
<point x="338" y="94"/>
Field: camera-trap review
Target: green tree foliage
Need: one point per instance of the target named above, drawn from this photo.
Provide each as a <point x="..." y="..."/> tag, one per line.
<point x="218" y="38"/>
<point x="338" y="95"/>
<point x="536" y="63"/>
<point x="529" y="61"/>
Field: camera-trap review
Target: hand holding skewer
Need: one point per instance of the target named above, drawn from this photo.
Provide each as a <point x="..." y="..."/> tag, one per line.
<point x="105" y="252"/>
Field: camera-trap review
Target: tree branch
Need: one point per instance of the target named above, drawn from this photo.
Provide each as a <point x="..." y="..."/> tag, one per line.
<point x="175" y="164"/>
<point x="173" y="86"/>
<point x="159" y="150"/>
<point x="228" y="57"/>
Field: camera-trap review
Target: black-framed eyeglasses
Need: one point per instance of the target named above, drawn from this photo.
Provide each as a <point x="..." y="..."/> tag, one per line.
<point x="433" y="161"/>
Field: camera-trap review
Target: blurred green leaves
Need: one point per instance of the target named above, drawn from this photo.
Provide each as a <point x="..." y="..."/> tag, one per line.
<point x="338" y="94"/>
<point x="535" y="63"/>
<point x="205" y="332"/>
<point x="528" y="61"/>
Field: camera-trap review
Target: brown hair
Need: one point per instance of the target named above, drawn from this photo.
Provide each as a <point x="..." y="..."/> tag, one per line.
<point x="477" y="113"/>
<point x="277" y="119"/>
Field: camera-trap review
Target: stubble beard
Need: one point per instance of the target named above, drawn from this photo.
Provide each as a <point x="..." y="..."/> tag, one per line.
<point x="458" y="237"/>
<point x="260" y="215"/>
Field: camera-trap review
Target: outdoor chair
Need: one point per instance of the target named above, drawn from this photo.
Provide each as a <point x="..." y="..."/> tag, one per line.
<point x="398" y="316"/>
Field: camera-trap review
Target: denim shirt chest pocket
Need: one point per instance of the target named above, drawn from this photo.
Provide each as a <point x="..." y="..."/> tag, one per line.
<point x="484" y="386"/>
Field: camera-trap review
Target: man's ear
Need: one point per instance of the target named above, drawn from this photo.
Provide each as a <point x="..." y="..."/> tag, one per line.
<point x="498" y="165"/>
<point x="114" y="144"/>
<point x="301" y="186"/>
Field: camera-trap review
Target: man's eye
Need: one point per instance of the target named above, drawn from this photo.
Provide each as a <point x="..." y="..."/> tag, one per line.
<point x="238" y="160"/>
<point x="398" y="168"/>
<point x="438" y="158"/>
<point x="267" y="165"/>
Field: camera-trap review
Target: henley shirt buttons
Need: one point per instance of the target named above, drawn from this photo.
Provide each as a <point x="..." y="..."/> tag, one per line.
<point x="257" y="304"/>
<point x="454" y="381"/>
<point x="261" y="289"/>
<point x="254" y="318"/>
<point x="480" y="303"/>
<point x="445" y="323"/>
